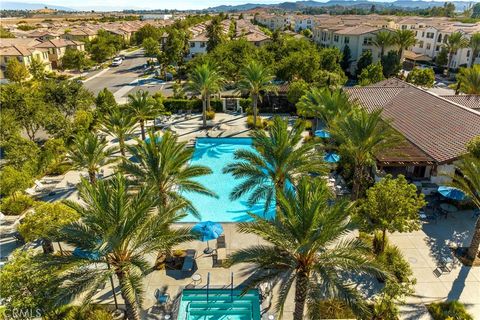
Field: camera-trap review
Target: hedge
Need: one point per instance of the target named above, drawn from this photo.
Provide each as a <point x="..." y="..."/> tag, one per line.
<point x="195" y="105"/>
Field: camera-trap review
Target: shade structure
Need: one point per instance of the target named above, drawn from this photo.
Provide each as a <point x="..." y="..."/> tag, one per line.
<point x="331" y="157"/>
<point x="451" y="193"/>
<point x="322" y="133"/>
<point x="157" y="139"/>
<point x="85" y="254"/>
<point x="207" y="230"/>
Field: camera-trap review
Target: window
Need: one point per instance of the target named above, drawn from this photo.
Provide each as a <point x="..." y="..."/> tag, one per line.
<point x="468" y="53"/>
<point x="347" y="40"/>
<point x="404" y="27"/>
<point x="335" y="38"/>
<point x="416" y="33"/>
<point x="429" y="46"/>
<point x="202" y="44"/>
<point x="367" y="41"/>
<point x="437" y="48"/>
<point x="439" y="39"/>
<point x="420" y="44"/>
<point x="192" y="44"/>
<point x="309" y="21"/>
<point x="423" y="34"/>
<point x="430" y="35"/>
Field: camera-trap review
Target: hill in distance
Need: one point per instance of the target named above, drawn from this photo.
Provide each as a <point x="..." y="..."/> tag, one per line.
<point x="8" y="5"/>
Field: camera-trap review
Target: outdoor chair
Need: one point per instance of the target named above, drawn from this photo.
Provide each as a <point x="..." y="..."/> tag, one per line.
<point x="161" y="298"/>
<point x="221" y="243"/>
<point x="189" y="261"/>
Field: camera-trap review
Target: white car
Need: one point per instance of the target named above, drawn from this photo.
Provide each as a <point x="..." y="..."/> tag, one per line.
<point x="117" y="61"/>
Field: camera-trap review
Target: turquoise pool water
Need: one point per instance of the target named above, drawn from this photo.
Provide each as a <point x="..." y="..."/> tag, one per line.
<point x="216" y="153"/>
<point x="220" y="305"/>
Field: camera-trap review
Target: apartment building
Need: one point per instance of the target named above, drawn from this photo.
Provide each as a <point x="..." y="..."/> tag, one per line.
<point x="431" y="39"/>
<point x="273" y="21"/>
<point x="358" y="38"/>
<point x="24" y="50"/>
<point x="302" y="22"/>
<point x="56" y="49"/>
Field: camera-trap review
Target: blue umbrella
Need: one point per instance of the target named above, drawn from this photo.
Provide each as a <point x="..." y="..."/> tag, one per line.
<point x="157" y="139"/>
<point x="322" y="133"/>
<point x="331" y="157"/>
<point x="207" y="230"/>
<point x="451" y="193"/>
<point x="84" y="254"/>
<point x="134" y="159"/>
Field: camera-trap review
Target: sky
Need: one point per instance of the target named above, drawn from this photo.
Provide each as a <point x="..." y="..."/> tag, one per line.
<point x="154" y="4"/>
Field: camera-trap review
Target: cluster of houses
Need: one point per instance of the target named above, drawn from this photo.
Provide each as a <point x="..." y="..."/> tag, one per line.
<point x="244" y="29"/>
<point x="49" y="41"/>
<point x="358" y="33"/>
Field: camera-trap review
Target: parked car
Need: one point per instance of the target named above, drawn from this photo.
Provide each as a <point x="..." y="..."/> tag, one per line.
<point x="117" y="61"/>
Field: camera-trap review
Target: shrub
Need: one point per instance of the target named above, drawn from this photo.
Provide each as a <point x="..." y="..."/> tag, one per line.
<point x="174" y="105"/>
<point x="216" y="105"/>
<point x="97" y="312"/>
<point x="245" y="103"/>
<point x="333" y="309"/>
<point x="58" y="169"/>
<point x="308" y="125"/>
<point x="210" y="115"/>
<point x="393" y="260"/>
<point x="15" y="205"/>
<point x="377" y="243"/>
<point x="260" y="123"/>
<point x="421" y="77"/>
<point x="452" y="310"/>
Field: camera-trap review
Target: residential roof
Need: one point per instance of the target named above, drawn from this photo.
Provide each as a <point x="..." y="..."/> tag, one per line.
<point x="467" y="100"/>
<point x="58" y="43"/>
<point x="439" y="127"/>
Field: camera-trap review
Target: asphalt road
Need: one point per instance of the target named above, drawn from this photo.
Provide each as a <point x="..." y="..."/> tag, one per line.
<point x="117" y="77"/>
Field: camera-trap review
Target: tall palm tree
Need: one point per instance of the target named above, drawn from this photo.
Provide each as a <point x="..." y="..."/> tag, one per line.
<point x="255" y="78"/>
<point x="205" y="80"/>
<point x="142" y="107"/>
<point x="118" y="230"/>
<point x="164" y="164"/>
<point x="469" y="80"/>
<point x="361" y="136"/>
<point x="467" y="179"/>
<point x="404" y="39"/>
<point x="279" y="158"/>
<point x="90" y="152"/>
<point x="475" y="45"/>
<point x="454" y="42"/>
<point x="119" y="124"/>
<point x="383" y="39"/>
<point x="307" y="249"/>
<point x="325" y="104"/>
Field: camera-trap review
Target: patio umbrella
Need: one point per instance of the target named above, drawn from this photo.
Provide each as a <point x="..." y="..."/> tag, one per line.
<point x="134" y="159"/>
<point x="322" y="133"/>
<point x="90" y="255"/>
<point x="331" y="157"/>
<point x="157" y="139"/>
<point x="451" y="193"/>
<point x="206" y="231"/>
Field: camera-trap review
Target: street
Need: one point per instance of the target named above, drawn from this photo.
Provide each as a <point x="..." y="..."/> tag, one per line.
<point x="116" y="77"/>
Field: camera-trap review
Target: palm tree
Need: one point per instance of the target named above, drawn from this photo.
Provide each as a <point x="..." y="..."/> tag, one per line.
<point x="361" y="136"/>
<point x="475" y="45"/>
<point x="279" y="157"/>
<point x="90" y="152"/>
<point x="404" y="39"/>
<point x="255" y="78"/>
<point x="119" y="124"/>
<point x="467" y="179"/>
<point x="142" y="107"/>
<point x="205" y="80"/>
<point x="118" y="230"/>
<point x="325" y="104"/>
<point x="307" y="249"/>
<point x="469" y="80"/>
<point x="382" y="40"/>
<point x="164" y="164"/>
<point x="454" y="42"/>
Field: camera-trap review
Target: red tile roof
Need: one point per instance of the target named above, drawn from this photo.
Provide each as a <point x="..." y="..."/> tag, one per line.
<point x="438" y="127"/>
<point x="467" y="100"/>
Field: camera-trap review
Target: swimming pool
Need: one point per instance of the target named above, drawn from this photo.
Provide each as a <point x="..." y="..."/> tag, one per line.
<point x="219" y="304"/>
<point x="216" y="153"/>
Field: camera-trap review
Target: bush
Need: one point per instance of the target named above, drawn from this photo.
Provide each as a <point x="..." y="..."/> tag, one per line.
<point x="58" y="169"/>
<point x="333" y="309"/>
<point x="210" y="115"/>
<point x="260" y="123"/>
<point x="216" y="105"/>
<point x="377" y="243"/>
<point x="394" y="262"/>
<point x="174" y="105"/>
<point x="452" y="310"/>
<point x="16" y="205"/>
<point x="97" y="312"/>
<point x="245" y="103"/>
<point x="421" y="77"/>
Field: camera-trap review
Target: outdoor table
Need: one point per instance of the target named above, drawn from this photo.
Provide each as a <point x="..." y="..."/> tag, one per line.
<point x="197" y="278"/>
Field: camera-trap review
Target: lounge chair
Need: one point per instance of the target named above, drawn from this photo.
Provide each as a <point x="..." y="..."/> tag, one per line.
<point x="161" y="298"/>
<point x="189" y="261"/>
<point x="221" y="244"/>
